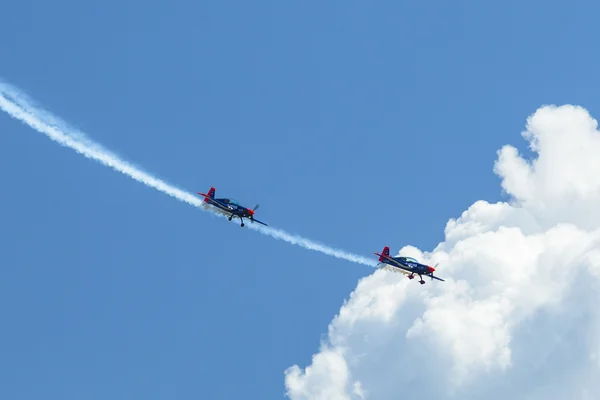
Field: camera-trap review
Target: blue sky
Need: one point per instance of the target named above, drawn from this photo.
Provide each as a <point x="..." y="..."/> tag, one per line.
<point x="356" y="124"/>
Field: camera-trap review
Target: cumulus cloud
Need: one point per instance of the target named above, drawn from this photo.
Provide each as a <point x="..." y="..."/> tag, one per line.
<point x="516" y="317"/>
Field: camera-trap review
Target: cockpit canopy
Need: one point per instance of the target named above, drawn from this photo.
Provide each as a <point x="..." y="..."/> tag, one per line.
<point x="234" y="202"/>
<point x="411" y="259"/>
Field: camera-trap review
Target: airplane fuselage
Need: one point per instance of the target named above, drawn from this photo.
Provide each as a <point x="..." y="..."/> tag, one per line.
<point x="413" y="266"/>
<point x="234" y="209"/>
<point x="408" y="266"/>
<point x="405" y="265"/>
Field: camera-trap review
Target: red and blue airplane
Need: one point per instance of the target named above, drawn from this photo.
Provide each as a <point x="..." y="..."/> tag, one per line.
<point x="406" y="265"/>
<point x="230" y="207"/>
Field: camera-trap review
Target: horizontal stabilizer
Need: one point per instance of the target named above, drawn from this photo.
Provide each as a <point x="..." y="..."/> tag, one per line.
<point x="385" y="254"/>
<point x="210" y="194"/>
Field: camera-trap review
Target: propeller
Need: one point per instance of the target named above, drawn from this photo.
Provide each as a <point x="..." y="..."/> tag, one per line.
<point x="434" y="268"/>
<point x="252" y="212"/>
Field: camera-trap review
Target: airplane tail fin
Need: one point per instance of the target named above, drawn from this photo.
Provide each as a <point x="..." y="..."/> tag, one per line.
<point x="211" y="194"/>
<point x="385" y="252"/>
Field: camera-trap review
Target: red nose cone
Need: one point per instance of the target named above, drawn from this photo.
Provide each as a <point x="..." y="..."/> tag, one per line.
<point x="251" y="212"/>
<point x="431" y="269"/>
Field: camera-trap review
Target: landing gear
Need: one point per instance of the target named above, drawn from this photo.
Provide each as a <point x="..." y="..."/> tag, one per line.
<point x="411" y="277"/>
<point x="422" y="282"/>
<point x="241" y="219"/>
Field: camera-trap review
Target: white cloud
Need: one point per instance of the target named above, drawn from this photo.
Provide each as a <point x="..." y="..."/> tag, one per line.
<point x="516" y="317"/>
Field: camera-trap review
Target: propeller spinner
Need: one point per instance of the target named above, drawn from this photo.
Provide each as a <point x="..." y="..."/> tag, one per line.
<point x="251" y="212"/>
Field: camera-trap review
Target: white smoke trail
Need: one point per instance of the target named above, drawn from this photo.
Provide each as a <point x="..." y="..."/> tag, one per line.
<point x="19" y="106"/>
<point x="309" y="244"/>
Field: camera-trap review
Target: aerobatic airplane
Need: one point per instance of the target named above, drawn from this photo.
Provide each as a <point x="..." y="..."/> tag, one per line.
<point x="405" y="265"/>
<point x="230" y="207"/>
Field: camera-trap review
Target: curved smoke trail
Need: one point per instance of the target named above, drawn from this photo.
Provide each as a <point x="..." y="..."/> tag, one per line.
<point x="19" y="106"/>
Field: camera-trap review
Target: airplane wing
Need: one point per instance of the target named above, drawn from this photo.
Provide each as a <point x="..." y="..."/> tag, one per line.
<point x="397" y="270"/>
<point x="255" y="220"/>
<point x="217" y="203"/>
<point x="435" y="277"/>
<point x="397" y="263"/>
